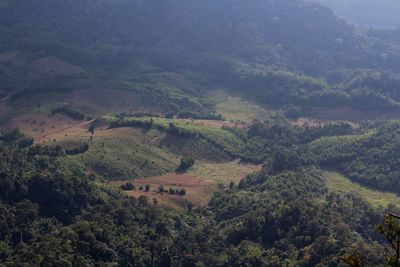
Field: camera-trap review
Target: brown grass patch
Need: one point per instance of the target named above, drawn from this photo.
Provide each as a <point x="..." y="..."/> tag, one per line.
<point x="224" y="172"/>
<point x="92" y="102"/>
<point x="59" y="127"/>
<point x="13" y="58"/>
<point x="45" y="128"/>
<point x="198" y="191"/>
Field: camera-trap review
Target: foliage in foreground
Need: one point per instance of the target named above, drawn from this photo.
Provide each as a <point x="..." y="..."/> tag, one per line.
<point x="272" y="221"/>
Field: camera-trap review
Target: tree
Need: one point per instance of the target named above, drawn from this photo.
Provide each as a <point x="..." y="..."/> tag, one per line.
<point x="231" y="185"/>
<point x="353" y="260"/>
<point x="91" y="130"/>
<point x="161" y="189"/>
<point x="182" y="192"/>
<point x="391" y="231"/>
<point x="186" y="163"/>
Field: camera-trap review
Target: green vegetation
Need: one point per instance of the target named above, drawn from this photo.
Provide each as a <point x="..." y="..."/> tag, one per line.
<point x="126" y="157"/>
<point x="222" y="139"/>
<point x="128" y="186"/>
<point x="391" y="231"/>
<point x="286" y="204"/>
<point x="185" y="164"/>
<point x="370" y="159"/>
<point x="166" y="60"/>
<point x="337" y="183"/>
<point x="331" y="64"/>
<point x="237" y="110"/>
<point x="222" y="172"/>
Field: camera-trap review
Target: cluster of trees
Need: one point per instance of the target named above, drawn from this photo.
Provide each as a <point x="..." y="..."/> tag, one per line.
<point x="172" y="191"/>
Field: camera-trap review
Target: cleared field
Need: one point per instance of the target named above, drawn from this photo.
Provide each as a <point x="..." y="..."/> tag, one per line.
<point x="126" y="153"/>
<point x="223" y="173"/>
<point x="200" y="183"/>
<point x="198" y="191"/>
<point x="338" y="183"/>
<point x="45" y="128"/>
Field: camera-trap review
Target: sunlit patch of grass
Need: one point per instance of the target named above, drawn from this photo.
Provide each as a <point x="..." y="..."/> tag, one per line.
<point x="336" y="182"/>
<point x="223" y="173"/>
<point x="235" y="109"/>
<point x="127" y="155"/>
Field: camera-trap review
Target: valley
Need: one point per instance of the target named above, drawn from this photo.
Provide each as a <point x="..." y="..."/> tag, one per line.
<point x="196" y="133"/>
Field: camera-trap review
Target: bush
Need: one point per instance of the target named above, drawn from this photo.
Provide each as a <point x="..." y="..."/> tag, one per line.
<point x="185" y="164"/>
<point x="128" y="186"/>
<point x="77" y="150"/>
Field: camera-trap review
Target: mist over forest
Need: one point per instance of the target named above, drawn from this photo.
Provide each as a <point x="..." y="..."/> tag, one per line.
<point x="382" y="14"/>
<point x="199" y="133"/>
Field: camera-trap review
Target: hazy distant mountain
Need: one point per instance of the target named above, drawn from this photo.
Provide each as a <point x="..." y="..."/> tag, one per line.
<point x="383" y="14"/>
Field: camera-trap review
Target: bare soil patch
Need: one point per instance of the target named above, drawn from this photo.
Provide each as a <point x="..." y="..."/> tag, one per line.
<point x="50" y="64"/>
<point x="90" y="101"/>
<point x="45" y="128"/>
<point x="58" y="126"/>
<point x="12" y="57"/>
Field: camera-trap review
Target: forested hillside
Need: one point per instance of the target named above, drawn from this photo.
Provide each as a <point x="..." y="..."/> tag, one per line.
<point x="295" y="52"/>
<point x="54" y="213"/>
<point x="195" y="133"/>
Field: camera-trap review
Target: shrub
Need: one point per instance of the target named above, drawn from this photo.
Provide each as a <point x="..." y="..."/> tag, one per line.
<point x="186" y="163"/>
<point x="128" y="186"/>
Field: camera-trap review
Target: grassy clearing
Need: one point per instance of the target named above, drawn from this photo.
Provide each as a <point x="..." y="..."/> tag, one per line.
<point x="235" y="109"/>
<point x="200" y="183"/>
<point x="223" y="173"/>
<point x="126" y="154"/>
<point x="221" y="138"/>
<point x="336" y="182"/>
